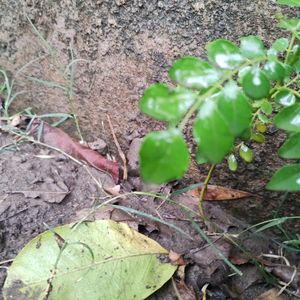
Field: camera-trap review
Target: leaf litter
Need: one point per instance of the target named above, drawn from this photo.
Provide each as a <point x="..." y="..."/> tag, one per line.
<point x="201" y="264"/>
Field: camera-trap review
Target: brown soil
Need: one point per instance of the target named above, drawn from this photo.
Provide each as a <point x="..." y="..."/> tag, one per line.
<point x="128" y="45"/>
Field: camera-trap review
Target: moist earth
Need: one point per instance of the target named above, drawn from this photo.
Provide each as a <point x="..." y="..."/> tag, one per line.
<point x="122" y="47"/>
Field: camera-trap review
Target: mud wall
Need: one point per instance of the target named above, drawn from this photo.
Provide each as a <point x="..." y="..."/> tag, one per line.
<point x="129" y="44"/>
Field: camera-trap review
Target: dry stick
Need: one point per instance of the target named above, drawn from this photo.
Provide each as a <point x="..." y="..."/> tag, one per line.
<point x="204" y="188"/>
<point x="121" y="153"/>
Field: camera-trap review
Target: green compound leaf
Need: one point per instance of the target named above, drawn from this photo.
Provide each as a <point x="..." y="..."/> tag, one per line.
<point x="289" y="2"/>
<point x="164" y="156"/>
<point x="246" y="153"/>
<point x="164" y="104"/>
<point x="252" y="47"/>
<point x="266" y="107"/>
<point x="289" y="118"/>
<point x="291" y="148"/>
<point x="256" y="84"/>
<point x="285" y="98"/>
<point x="103" y="260"/>
<point x="235" y="108"/>
<point x="193" y="72"/>
<point x="274" y="70"/>
<point x="212" y="133"/>
<point x="232" y="163"/>
<point x="280" y="45"/>
<point x="224" y="54"/>
<point x="286" y="179"/>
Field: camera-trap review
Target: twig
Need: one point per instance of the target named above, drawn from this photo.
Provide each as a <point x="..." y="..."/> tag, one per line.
<point x="6" y="261"/>
<point x="121" y="153"/>
<point x="204" y="188"/>
<point x="286" y="284"/>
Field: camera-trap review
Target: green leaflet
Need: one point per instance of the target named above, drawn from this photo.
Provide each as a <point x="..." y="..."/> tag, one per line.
<point x="252" y="47"/>
<point x="164" y="104"/>
<point x="286" y="179"/>
<point x="256" y="84"/>
<point x="212" y="133"/>
<point x="291" y="148"/>
<point x="193" y="72"/>
<point x="289" y="118"/>
<point x="224" y="54"/>
<point x="164" y="156"/>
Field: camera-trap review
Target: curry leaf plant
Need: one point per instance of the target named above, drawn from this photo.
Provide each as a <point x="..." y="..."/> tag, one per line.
<point x="231" y="98"/>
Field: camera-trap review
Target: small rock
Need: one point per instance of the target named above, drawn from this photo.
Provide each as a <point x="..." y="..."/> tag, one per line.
<point x="133" y="157"/>
<point x="98" y="145"/>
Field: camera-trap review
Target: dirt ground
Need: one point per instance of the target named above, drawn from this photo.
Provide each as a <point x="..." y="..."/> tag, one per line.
<point x="128" y="45"/>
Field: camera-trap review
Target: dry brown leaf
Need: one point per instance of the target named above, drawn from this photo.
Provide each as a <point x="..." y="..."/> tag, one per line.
<point x="114" y="191"/>
<point x="186" y="292"/>
<point x="176" y="258"/>
<point x="219" y="193"/>
<point x="51" y="192"/>
<point x="57" y="138"/>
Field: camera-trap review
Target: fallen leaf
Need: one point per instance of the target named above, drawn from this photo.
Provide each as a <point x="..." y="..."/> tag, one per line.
<point x="103" y="258"/>
<point x="51" y="192"/>
<point x="114" y="191"/>
<point x="106" y="213"/>
<point x="186" y="292"/>
<point x="176" y="258"/>
<point x="57" y="138"/>
<point x="215" y="192"/>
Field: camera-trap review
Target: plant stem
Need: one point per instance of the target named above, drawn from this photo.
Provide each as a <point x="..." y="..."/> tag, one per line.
<point x="204" y="188"/>
<point x="289" y="50"/>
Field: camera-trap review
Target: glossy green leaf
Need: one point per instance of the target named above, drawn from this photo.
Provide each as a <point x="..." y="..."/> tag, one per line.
<point x="263" y="118"/>
<point x="255" y="84"/>
<point x="164" y="104"/>
<point x="212" y="133"/>
<point x="199" y="158"/>
<point x="274" y="70"/>
<point x="286" y="179"/>
<point x="291" y="148"/>
<point x="246" y="135"/>
<point x="285" y="98"/>
<point x="246" y="153"/>
<point x="224" y="54"/>
<point x="258" y="137"/>
<point x="252" y="47"/>
<point x="280" y="44"/>
<point x="164" y="156"/>
<point x="296" y="66"/>
<point x="193" y="72"/>
<point x="289" y="2"/>
<point x="235" y="108"/>
<point x="232" y="163"/>
<point x="289" y="118"/>
<point x="266" y="107"/>
<point x="295" y="54"/>
<point x="292" y="24"/>
<point x="243" y="71"/>
<point x="102" y="260"/>
<point x="272" y="54"/>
